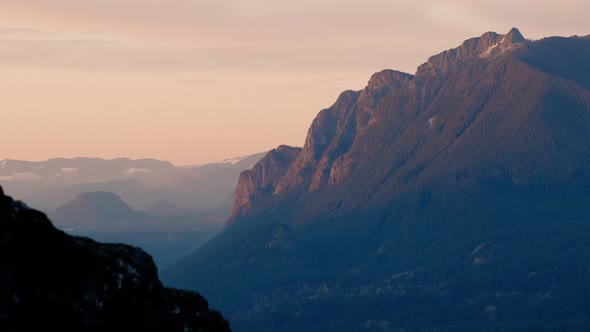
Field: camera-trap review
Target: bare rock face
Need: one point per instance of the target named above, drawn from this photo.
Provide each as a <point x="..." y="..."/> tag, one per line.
<point x="489" y="45"/>
<point x="50" y="281"/>
<point x="325" y="157"/>
<point x="409" y="122"/>
<point x="330" y="134"/>
<point x="260" y="182"/>
<point x="334" y="139"/>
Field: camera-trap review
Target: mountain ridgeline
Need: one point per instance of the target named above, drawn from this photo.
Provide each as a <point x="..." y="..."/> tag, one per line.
<point x="456" y="198"/>
<point x="457" y="117"/>
<point x="204" y="189"/>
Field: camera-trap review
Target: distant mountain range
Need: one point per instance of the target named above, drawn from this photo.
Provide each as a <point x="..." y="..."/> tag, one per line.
<point x="85" y="170"/>
<point x="457" y="198"/>
<point x="142" y="183"/>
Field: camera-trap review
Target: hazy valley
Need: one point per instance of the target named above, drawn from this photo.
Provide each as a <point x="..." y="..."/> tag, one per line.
<point x="169" y="211"/>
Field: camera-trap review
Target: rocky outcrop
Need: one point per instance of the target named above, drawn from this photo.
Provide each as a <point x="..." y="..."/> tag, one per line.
<point x="50" y="281"/>
<point x="489" y="45"/>
<point x="258" y="183"/>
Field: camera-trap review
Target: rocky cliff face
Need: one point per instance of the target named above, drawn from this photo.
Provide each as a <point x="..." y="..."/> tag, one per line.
<point x="337" y="141"/>
<point x="326" y="156"/>
<point x="50" y="281"/>
<point x="258" y="183"/>
<point x="488" y="46"/>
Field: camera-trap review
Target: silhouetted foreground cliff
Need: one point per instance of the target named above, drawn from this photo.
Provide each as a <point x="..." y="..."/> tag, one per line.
<point x="50" y="281"/>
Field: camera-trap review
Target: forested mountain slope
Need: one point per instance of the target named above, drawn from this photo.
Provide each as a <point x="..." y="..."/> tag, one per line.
<point x="455" y="198"/>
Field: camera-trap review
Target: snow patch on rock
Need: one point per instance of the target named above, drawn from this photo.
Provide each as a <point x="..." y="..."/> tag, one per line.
<point x="133" y="171"/>
<point x="67" y="172"/>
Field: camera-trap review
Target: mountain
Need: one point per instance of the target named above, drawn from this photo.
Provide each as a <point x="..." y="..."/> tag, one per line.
<point x="54" y="282"/>
<point x="96" y="208"/>
<point x="456" y="198"/>
<point x="51" y="183"/>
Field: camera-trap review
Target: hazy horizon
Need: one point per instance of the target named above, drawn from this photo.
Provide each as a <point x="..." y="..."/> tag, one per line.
<point x="226" y="159"/>
<point x="202" y="81"/>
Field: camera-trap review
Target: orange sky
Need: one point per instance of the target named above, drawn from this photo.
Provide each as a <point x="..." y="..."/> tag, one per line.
<point x="193" y="81"/>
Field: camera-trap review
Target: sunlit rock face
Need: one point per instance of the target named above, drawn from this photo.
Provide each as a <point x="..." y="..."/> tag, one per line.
<point x="340" y="137"/>
<point x="453" y="199"/>
<point x="258" y="183"/>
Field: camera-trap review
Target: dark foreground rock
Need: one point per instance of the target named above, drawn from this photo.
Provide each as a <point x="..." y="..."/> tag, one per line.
<point x="50" y="281"/>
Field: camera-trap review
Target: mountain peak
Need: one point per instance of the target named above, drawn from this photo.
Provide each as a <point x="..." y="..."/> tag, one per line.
<point x="499" y="44"/>
<point x="514" y="36"/>
<point x="95" y="206"/>
<point x="488" y="46"/>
